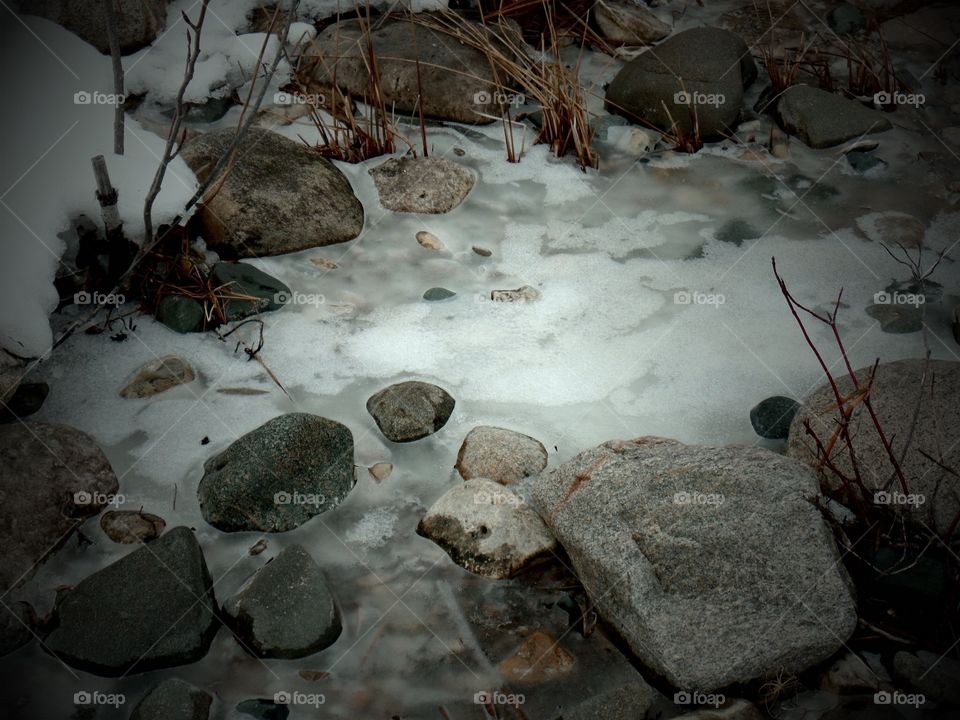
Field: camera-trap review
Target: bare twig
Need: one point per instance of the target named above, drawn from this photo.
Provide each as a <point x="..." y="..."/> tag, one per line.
<point x="110" y="17"/>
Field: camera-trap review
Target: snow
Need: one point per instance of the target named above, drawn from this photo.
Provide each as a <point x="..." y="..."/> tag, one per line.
<point x="46" y="176"/>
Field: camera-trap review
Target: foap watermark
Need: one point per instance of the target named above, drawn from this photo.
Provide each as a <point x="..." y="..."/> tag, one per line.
<point x="898" y="697"/>
<point x="697" y="498"/>
<point x="498" y="98"/>
<point x="299" y="98"/>
<point x="85" y="97"/>
<point x="295" y="697"/>
<point x="897" y="298"/>
<point x="98" y="298"/>
<point x="97" y="499"/>
<point x="298" y="298"/>
<point x="685" y="97"/>
<point x="685" y="297"/>
<point x="898" y="498"/>
<point x="486" y="497"/>
<point x="95" y="697"/>
<point x="886" y="99"/>
<point x="695" y="697"/>
<point x="298" y="498"/>
<point x="485" y="697"/>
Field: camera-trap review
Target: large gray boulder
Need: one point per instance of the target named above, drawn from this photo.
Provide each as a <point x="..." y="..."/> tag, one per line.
<point x="487" y="529"/>
<point x="712" y="563"/>
<point x="280" y="196"/>
<point x="173" y="699"/>
<point x="823" y="119"/>
<point x="411" y="410"/>
<point x="279" y="475"/>
<point x="52" y="478"/>
<point x="456" y="80"/>
<point x="702" y="70"/>
<point x="151" y="609"/>
<point x="899" y="388"/>
<point x="138" y="21"/>
<point x="286" y="610"/>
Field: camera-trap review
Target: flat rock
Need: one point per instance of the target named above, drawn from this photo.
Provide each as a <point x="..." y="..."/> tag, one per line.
<point x="429" y="241"/>
<point x="501" y="455"/>
<point x="425" y="185"/>
<point x="930" y="673"/>
<point x="487" y="529"/>
<point x="823" y="119"/>
<point x="710" y="65"/>
<point x="891" y="227"/>
<point x="896" y="319"/>
<point x="438" y="294"/>
<point x="771" y="417"/>
<point x="697" y="555"/>
<point x="627" y="22"/>
<point x="151" y="609"/>
<point x="173" y="699"/>
<point x="131" y="526"/>
<point x="524" y="293"/>
<point x="629" y="701"/>
<point x="158" y="376"/>
<point x="53" y="477"/>
<point x="850" y="673"/>
<point x="380" y="471"/>
<point x="896" y="391"/>
<point x="279" y="475"/>
<point x="259" y="291"/>
<point x="411" y="410"/>
<point x="456" y="81"/>
<point x="280" y="197"/>
<point x="286" y="610"/>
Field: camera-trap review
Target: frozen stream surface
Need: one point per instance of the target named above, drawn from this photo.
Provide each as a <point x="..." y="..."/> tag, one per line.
<point x="609" y="350"/>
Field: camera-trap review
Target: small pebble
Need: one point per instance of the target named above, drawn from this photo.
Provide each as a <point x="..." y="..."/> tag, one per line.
<point x="429" y="241"/>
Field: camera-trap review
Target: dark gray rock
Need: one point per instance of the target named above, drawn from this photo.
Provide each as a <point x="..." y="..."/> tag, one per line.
<point x="16" y="621"/>
<point x="245" y="279"/>
<point x="278" y="476"/>
<point x="846" y="19"/>
<point x="487" y="529"/>
<point x="280" y="196"/>
<point x="456" y="80"/>
<point x="173" y="699"/>
<point x="286" y="610"/>
<point x="263" y="709"/>
<point x="436" y="294"/>
<point x="153" y="608"/>
<point x="710" y="65"/>
<point x="864" y="162"/>
<point x="632" y="701"/>
<point x="411" y="410"/>
<point x="896" y="319"/>
<point x="771" y="417"/>
<point x="823" y="119"/>
<point x="425" y="185"/>
<point x="181" y="314"/>
<point x="501" y="455"/>
<point x="157" y="376"/>
<point x="697" y="555"/>
<point x="25" y="400"/>
<point x="138" y="21"/>
<point x="933" y="674"/>
<point x="897" y="389"/>
<point x="736" y="231"/>
<point x="52" y="477"/>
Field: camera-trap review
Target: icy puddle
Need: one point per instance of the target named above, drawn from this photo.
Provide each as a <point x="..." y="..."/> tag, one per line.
<point x="646" y="323"/>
